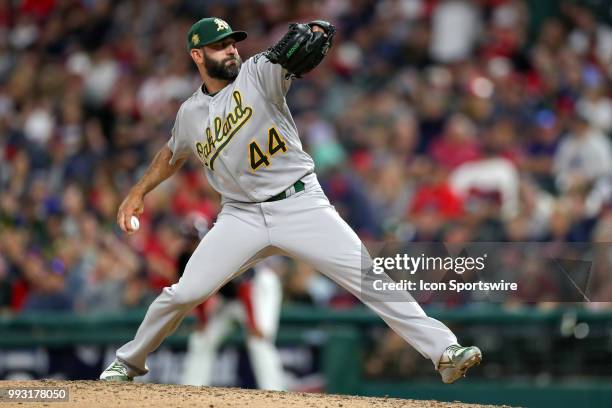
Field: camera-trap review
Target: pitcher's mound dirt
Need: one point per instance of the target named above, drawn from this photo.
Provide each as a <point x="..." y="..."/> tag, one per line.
<point x="93" y="394"/>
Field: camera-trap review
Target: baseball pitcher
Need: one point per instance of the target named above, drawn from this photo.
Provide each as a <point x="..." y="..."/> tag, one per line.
<point x="239" y="126"/>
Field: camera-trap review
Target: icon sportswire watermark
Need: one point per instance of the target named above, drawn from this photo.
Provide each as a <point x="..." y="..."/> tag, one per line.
<point x="409" y="264"/>
<point x="518" y="272"/>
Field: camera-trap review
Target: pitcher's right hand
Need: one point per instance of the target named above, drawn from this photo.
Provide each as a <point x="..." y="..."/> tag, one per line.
<point x="133" y="204"/>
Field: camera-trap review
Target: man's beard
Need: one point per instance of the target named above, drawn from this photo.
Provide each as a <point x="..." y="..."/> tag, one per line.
<point x="221" y="70"/>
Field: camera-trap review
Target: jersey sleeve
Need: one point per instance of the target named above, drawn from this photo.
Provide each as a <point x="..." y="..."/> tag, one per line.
<point x="271" y="78"/>
<point x="178" y="143"/>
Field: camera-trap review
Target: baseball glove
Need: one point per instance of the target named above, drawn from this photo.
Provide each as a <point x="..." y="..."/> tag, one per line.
<point x="301" y="50"/>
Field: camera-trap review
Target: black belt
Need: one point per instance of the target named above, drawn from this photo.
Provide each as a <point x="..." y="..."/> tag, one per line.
<point x="298" y="186"/>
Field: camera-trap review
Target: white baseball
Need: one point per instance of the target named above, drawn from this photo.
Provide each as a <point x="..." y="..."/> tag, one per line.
<point x="134" y="223"/>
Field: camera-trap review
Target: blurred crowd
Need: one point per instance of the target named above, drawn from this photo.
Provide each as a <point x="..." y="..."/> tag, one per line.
<point x="441" y="120"/>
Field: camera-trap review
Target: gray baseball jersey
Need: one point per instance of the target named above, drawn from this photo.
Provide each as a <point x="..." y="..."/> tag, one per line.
<point x="244" y="135"/>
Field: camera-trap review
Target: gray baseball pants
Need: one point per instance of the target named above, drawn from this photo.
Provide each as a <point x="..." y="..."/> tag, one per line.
<point x="304" y="226"/>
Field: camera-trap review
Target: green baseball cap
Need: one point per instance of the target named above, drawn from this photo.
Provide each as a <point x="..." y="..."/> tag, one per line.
<point x="210" y="30"/>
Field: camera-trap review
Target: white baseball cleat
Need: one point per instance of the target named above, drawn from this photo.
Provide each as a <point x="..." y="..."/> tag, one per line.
<point x="117" y="371"/>
<point x="456" y="360"/>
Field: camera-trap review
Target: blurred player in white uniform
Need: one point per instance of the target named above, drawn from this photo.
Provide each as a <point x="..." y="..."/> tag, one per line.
<point x="254" y="302"/>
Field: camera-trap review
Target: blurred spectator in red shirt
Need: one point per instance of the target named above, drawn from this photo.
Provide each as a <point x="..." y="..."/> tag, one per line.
<point x="458" y="144"/>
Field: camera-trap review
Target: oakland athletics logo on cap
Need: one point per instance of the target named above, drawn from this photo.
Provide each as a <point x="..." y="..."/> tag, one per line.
<point x="221" y="25"/>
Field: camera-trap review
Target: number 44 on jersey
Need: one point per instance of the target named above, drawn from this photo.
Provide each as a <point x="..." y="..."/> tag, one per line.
<point x="257" y="156"/>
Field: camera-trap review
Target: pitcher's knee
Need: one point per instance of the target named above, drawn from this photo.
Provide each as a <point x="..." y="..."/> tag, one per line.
<point x="183" y="297"/>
